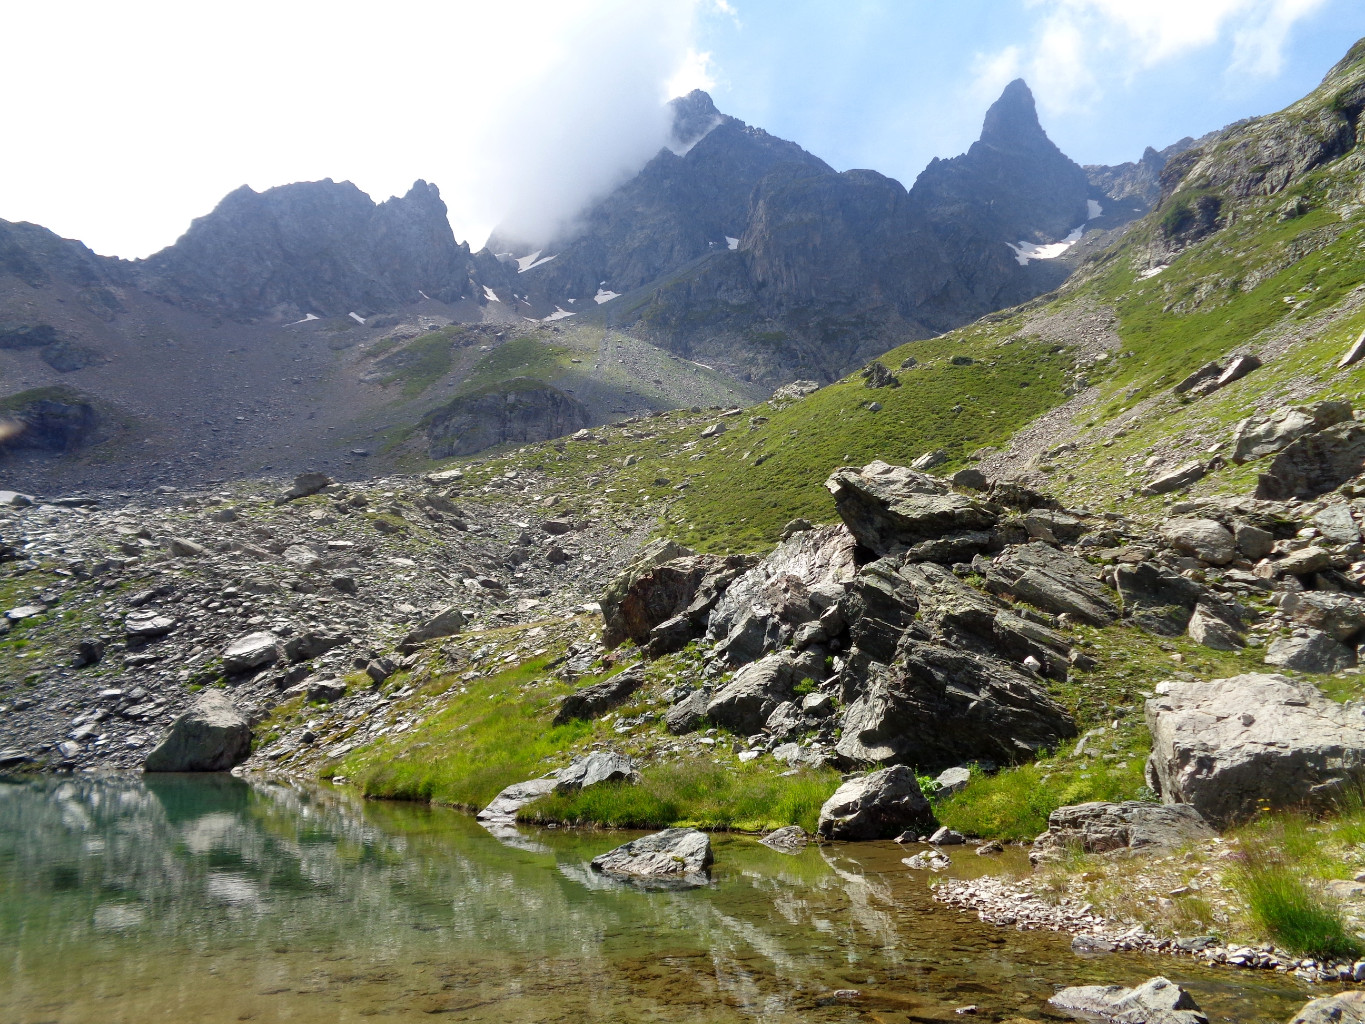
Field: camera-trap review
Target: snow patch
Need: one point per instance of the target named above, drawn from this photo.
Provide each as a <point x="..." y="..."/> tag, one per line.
<point x="733" y="243"/>
<point x="604" y="296"/>
<point x="1094" y="209"/>
<point x="490" y="294"/>
<point x="558" y="314"/>
<point x="1025" y="251"/>
<point x="1153" y="271"/>
<point x="356" y="317"/>
<point x="309" y="317"/>
<point x="525" y="263"/>
<point x="423" y="294"/>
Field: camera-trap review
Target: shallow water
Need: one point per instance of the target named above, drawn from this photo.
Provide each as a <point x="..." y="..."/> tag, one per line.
<point x="212" y="899"/>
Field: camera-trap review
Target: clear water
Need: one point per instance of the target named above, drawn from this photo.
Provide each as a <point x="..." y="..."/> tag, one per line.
<point x="205" y="899"/>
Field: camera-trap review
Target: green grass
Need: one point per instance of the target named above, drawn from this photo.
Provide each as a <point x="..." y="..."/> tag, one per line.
<point x="421" y="362"/>
<point x="1287" y="910"/>
<point x="495" y="734"/>
<point x="699" y="794"/>
<point x="521" y="357"/>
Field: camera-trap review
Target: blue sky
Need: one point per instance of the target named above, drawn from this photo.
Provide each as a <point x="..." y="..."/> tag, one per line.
<point x="522" y="111"/>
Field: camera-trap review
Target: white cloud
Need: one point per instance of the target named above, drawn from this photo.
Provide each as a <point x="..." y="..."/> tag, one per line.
<point x="521" y="109"/>
<point x="1077" y="47"/>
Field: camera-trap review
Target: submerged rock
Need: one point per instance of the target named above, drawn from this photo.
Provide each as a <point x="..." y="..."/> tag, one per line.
<point x="1156" y="1001"/>
<point x="788" y="839"/>
<point x="212" y="736"/>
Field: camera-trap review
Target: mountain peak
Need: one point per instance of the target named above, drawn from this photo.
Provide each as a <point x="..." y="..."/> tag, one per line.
<point x="694" y="115"/>
<point x="1013" y="118"/>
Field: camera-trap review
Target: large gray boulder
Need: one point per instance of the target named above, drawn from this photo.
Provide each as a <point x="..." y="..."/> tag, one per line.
<point x="936" y="706"/>
<point x="891" y="508"/>
<point x="1256" y="436"/>
<point x="1156" y="1001"/>
<point x="798" y="583"/>
<point x="675" y="854"/>
<point x="251" y="652"/>
<point x="1157" y="599"/>
<point x="1230" y="747"/>
<point x="1340" y="616"/>
<point x="1204" y="539"/>
<point x="599" y="766"/>
<point x="880" y="805"/>
<point x="1217" y="626"/>
<point x="1130" y="827"/>
<point x="1342" y="1008"/>
<point x="1315" y="463"/>
<point x="1052" y="580"/>
<point x="744" y="704"/>
<point x="212" y="736"/>
<point x="1309" y="651"/>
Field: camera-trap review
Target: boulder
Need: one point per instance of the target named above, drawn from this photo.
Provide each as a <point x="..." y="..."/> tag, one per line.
<point x="688" y="714"/>
<point x="1157" y="599"/>
<point x="761" y="610"/>
<point x="324" y="691"/>
<point x="304" y="485"/>
<point x="313" y="644"/>
<point x="147" y="625"/>
<point x="1130" y="827"/>
<point x="952" y="780"/>
<point x="1252" y="541"/>
<point x="788" y="839"/>
<point x="596" y="700"/>
<point x="1230" y="747"/>
<point x="890" y="508"/>
<point x="1052" y="580"/>
<point x="660" y="593"/>
<point x="1342" y="1008"/>
<point x="1156" y="1001"/>
<point x="880" y="805"/>
<point x="1340" y="616"/>
<point x="1337" y="525"/>
<point x="502" y="809"/>
<point x="744" y="704"/>
<point x="1180" y="477"/>
<point x="1204" y="539"/>
<point x="654" y="554"/>
<point x="1256" y="436"/>
<point x="680" y="854"/>
<point x="1216" y="626"/>
<point x="250" y="652"/>
<point x="935" y="706"/>
<point x="1309" y="651"/>
<point x="446" y="622"/>
<point x="971" y="479"/>
<point x="876" y="375"/>
<point x="1315" y="463"/>
<point x="599" y="766"/>
<point x="212" y="736"/>
<point x="1303" y="562"/>
<point x="181" y="547"/>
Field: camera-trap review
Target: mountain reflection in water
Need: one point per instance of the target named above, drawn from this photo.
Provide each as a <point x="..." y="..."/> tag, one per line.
<point x="208" y="898"/>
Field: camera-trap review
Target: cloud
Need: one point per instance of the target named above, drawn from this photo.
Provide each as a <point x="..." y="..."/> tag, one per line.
<point x="520" y="110"/>
<point x="1079" y="47"/>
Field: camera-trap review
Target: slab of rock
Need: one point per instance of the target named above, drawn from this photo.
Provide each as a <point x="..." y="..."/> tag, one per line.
<point x="1252" y="541"/>
<point x="1156" y="1001"/>
<point x="1315" y="463"/>
<point x="1343" y="1008"/>
<point x="935" y="706"/>
<point x="745" y="704"/>
<point x="880" y="805"/>
<point x="447" y="622"/>
<point x="1182" y="476"/>
<point x="1340" y="616"/>
<point x="148" y="625"/>
<point x="788" y="839"/>
<point x="599" y="766"/>
<point x="656" y="595"/>
<point x="1216" y="626"/>
<point x="212" y="736"/>
<point x="675" y="854"/>
<point x="1129" y="827"/>
<point x="1204" y="539"/>
<point x="596" y="700"/>
<point x="688" y="714"/>
<point x="1337" y="525"/>
<point x="502" y="809"/>
<point x="1229" y="746"/>
<point x="654" y="554"/>
<point x="1303" y="562"/>
<point x="1157" y="599"/>
<point x="952" y="780"/>
<point x="1052" y="580"/>
<point x="253" y="651"/>
<point x="890" y="508"/>
<point x="1313" y="652"/>
<point x="304" y="485"/>
<point x="181" y="547"/>
<point x="1256" y="436"/>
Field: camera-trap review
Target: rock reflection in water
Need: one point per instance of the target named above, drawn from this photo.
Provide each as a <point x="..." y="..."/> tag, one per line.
<point x="213" y="899"/>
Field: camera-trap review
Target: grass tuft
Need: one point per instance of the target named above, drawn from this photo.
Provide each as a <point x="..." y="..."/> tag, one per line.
<point x="1287" y="910"/>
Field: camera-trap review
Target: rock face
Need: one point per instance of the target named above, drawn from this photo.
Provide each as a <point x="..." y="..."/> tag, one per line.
<point x="1256" y="436"/>
<point x="880" y="805"/>
<point x="1228" y="746"/>
<point x="891" y="508"/>
<point x="1315" y="463"/>
<point x="319" y="247"/>
<point x="1128" y="827"/>
<point x="212" y="736"/>
<point x="518" y="411"/>
<point x="744" y="704"/>
<point x="1156" y="1001"/>
<point x="1052" y="580"/>
<point x="598" y="699"/>
<point x="1344" y="1008"/>
<point x="675" y="854"/>
<point x="620" y="623"/>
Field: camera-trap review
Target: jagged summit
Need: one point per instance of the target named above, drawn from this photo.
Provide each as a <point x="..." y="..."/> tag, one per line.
<point x="1012" y="120"/>
<point x="694" y="115"/>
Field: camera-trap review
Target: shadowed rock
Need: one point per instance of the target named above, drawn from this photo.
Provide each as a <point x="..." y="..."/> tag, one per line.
<point x="880" y="805"/>
<point x="213" y="736"/>
<point x="598" y="699"/>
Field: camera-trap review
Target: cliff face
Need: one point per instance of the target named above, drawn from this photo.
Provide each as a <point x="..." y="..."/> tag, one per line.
<point x="522" y="411"/>
<point x="318" y="247"/>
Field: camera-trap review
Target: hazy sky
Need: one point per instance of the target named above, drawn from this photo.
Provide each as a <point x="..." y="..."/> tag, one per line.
<point x="122" y="121"/>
